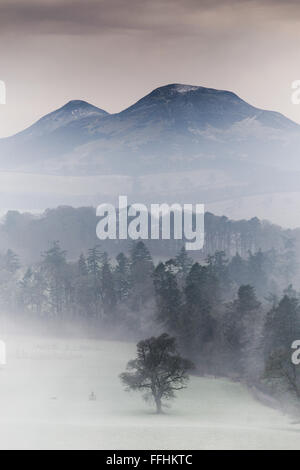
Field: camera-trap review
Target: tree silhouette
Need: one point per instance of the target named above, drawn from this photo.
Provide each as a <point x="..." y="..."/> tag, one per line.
<point x="158" y="370"/>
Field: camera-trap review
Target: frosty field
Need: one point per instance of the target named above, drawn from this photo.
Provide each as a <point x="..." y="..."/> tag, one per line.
<point x="44" y="404"/>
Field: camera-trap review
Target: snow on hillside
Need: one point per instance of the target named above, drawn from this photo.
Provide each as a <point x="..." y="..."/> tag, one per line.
<point x="235" y="149"/>
<point x="75" y="110"/>
<point x="186" y="88"/>
<point x="44" y="405"/>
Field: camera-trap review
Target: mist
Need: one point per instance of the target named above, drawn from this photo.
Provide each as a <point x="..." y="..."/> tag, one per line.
<point x="71" y="326"/>
<point x="187" y="104"/>
<point x="45" y="390"/>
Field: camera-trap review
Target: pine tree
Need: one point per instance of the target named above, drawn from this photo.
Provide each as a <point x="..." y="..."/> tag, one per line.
<point x="94" y="264"/>
<point x="54" y="267"/>
<point x="82" y="266"/>
<point x="237" y="270"/>
<point x="122" y="278"/>
<point x="108" y="290"/>
<point x="184" y="263"/>
<point x="257" y="271"/>
<point x="239" y="328"/>
<point x="168" y="299"/>
<point x="218" y="266"/>
<point x="141" y="270"/>
<point x="11" y="262"/>
<point x="94" y="261"/>
<point x="198" y="322"/>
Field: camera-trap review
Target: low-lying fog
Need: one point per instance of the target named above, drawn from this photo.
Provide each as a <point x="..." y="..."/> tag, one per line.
<point x="46" y="403"/>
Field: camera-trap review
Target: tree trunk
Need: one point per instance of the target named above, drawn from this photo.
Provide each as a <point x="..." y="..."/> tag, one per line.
<point x="158" y="405"/>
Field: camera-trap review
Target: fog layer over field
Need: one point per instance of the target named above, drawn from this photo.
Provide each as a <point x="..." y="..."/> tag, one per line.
<point x="45" y="391"/>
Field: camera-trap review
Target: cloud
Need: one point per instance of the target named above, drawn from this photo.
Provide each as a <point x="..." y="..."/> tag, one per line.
<point x="166" y="16"/>
<point x="51" y="49"/>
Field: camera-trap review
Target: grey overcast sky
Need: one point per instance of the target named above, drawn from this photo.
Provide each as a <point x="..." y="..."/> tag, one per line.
<point x="112" y="52"/>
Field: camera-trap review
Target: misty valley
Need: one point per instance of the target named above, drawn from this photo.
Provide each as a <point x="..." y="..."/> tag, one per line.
<point x="71" y="318"/>
<point x="121" y="327"/>
<point x="45" y="404"/>
<point x="149" y="227"/>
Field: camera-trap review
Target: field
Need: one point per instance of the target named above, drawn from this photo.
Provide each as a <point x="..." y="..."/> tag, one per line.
<point x="45" y="404"/>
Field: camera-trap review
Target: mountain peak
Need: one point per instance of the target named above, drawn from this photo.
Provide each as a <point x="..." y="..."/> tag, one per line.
<point x="75" y="105"/>
<point x="71" y="112"/>
<point x="183" y="89"/>
<point x="178" y="88"/>
<point x="191" y="104"/>
<point x="76" y="109"/>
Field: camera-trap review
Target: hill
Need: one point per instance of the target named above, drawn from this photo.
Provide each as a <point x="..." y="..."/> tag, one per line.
<point x="179" y="143"/>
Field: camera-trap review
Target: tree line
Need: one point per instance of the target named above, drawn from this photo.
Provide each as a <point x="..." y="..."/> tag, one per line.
<point x="235" y="317"/>
<point x="29" y="235"/>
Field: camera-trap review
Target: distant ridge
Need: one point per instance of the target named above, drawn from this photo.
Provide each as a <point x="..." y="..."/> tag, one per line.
<point x="179" y="142"/>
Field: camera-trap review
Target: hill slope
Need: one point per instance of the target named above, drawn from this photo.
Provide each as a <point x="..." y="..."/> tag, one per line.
<point x="179" y="143"/>
<point x="173" y="128"/>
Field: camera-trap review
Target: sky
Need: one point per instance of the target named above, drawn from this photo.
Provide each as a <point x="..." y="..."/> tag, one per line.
<point x="113" y="52"/>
